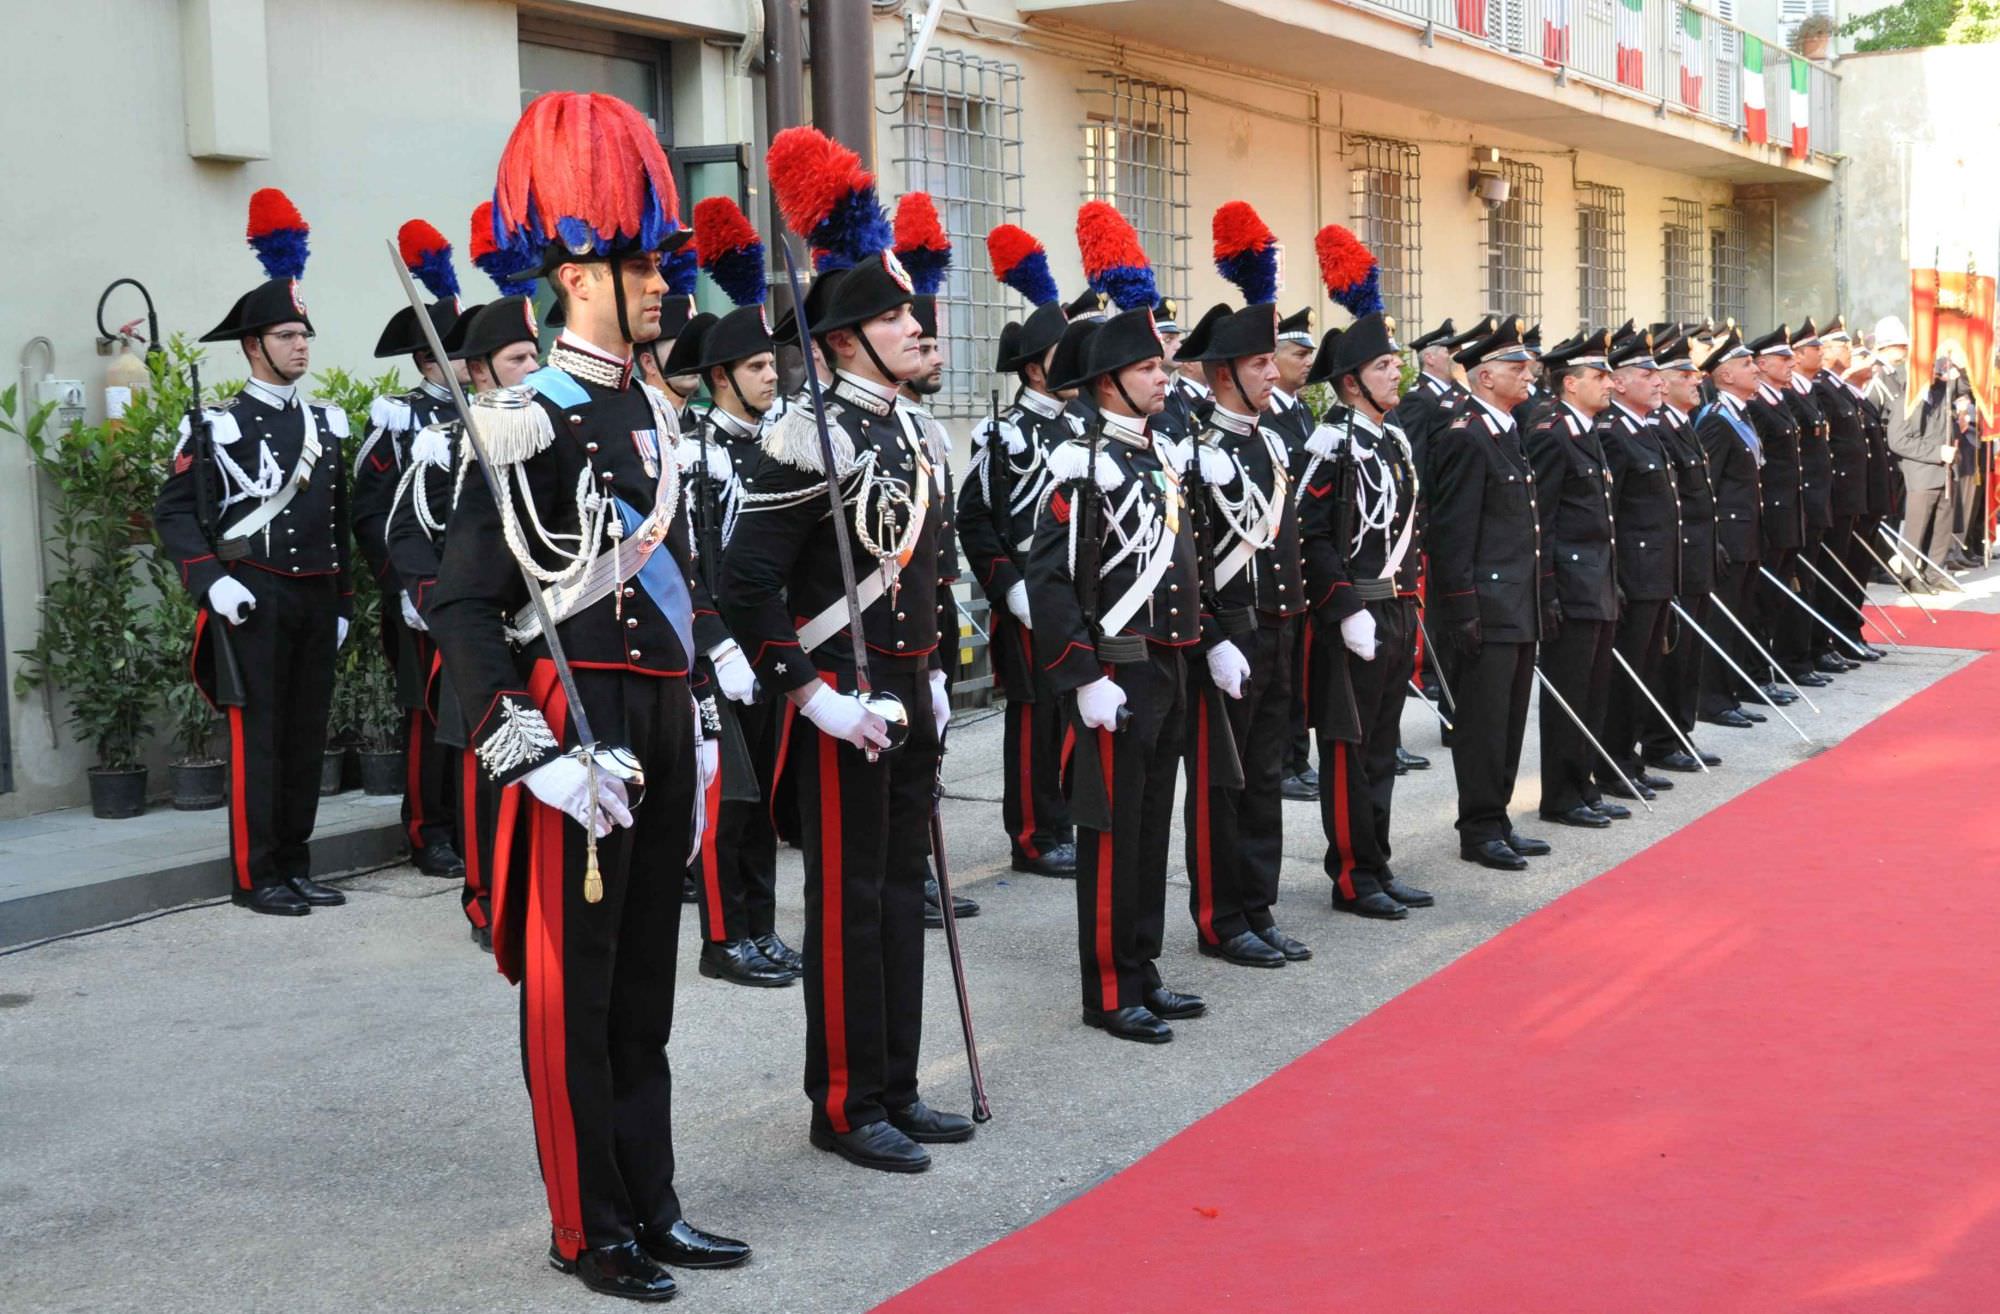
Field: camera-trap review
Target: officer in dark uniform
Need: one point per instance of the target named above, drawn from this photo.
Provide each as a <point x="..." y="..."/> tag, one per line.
<point x="1426" y="408"/>
<point x="1292" y="420"/>
<point x="1358" y="525"/>
<point x="1005" y="483"/>
<point x="1847" y="437"/>
<point x="1490" y="588"/>
<point x="499" y="345"/>
<point x="1736" y="465"/>
<point x="1680" y="670"/>
<point x="1188" y="397"/>
<point x="1859" y="376"/>
<point x="254" y="512"/>
<point x="1810" y="645"/>
<point x="587" y="926"/>
<point x="865" y="845"/>
<point x="1784" y="514"/>
<point x="1574" y="493"/>
<point x="1114" y="584"/>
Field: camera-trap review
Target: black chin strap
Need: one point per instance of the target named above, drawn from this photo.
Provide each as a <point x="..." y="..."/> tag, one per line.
<point x="618" y="300"/>
<point x="1119" y="384"/>
<point x="1382" y="412"/>
<point x="888" y="375"/>
<point x="729" y="372"/>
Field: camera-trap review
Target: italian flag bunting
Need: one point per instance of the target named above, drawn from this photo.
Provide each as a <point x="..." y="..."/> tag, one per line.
<point x="1472" y="17"/>
<point x="1754" y="123"/>
<point x="1694" y="57"/>
<point x="1631" y="48"/>
<point x="1555" y="32"/>
<point x="1801" y="108"/>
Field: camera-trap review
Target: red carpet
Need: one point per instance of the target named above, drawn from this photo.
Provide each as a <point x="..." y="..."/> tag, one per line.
<point x="1752" y="1069"/>
<point x="1978" y="630"/>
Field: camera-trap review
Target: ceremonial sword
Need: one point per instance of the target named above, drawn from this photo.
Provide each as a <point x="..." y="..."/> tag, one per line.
<point x="1549" y="688"/>
<point x="1741" y="674"/>
<point x="1809" y="609"/>
<point x="1845" y="601"/>
<point x="1896" y="536"/>
<point x="1834" y="557"/>
<point x="1894" y="578"/>
<point x="1672" y="724"/>
<point x="1769" y="657"/>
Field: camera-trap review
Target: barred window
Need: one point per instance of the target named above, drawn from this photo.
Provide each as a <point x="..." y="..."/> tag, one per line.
<point x="1512" y="238"/>
<point x="1600" y="254"/>
<point x="1728" y="263"/>
<point x="960" y="140"/>
<point x="1135" y="155"/>
<point x="1681" y="238"/>
<point x="1387" y="212"/>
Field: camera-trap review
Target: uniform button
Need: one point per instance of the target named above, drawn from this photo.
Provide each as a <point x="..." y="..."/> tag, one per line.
<point x="901" y="616"/>
<point x="295" y="570"/>
<point x="606" y="476"/>
<point x="628" y="590"/>
<point x="1173" y="588"/>
<point x="631" y="622"/>
<point x="1496" y="574"/>
<point x="576" y="419"/>
<point x="295" y="551"/>
<point x="634" y="654"/>
<point x="591" y="448"/>
<point x="899" y="643"/>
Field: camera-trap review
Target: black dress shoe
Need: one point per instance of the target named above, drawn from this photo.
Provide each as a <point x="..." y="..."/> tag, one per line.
<point x="319" y="896"/>
<point x="622" y="1270"/>
<point x="1780" y="695"/>
<point x="1410" y="760"/>
<point x="689" y="893"/>
<point x="684" y="1245"/>
<point x="1293" y="950"/>
<point x="1300" y="788"/>
<point x="778" y="951"/>
<point x="1059" y="861"/>
<point x="1678" y="760"/>
<point x="1374" y="904"/>
<point x="1613" y="811"/>
<point x="925" y="1125"/>
<point x="1527" y="847"/>
<point x="1174" y="1004"/>
<point x="1402" y="770"/>
<point x="1616" y="788"/>
<point x="1407" y="895"/>
<point x="439" y="859"/>
<point x="1135" y="1023"/>
<point x="1753" y="717"/>
<point x="1244" y="949"/>
<point x="1832" y="663"/>
<point x="276" y="900"/>
<point x="1708" y="758"/>
<point x="1497" y="854"/>
<point x="1869" y="652"/>
<point x="1810" y="680"/>
<point x="961" y="907"/>
<point x="1582" y="815"/>
<point x="1659" y="784"/>
<point x="1733" y="718"/>
<point x="741" y="962"/>
<point x="483" y="937"/>
<point x="879" y="1145"/>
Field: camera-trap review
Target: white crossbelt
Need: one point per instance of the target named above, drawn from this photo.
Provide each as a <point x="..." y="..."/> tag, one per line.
<point x="1239" y="556"/>
<point x="1113" y="622"/>
<point x="271" y="507"/>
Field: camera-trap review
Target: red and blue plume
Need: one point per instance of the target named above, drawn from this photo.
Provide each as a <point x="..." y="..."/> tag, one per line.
<point x="1022" y="263"/>
<point x="921" y="243"/>
<point x="679" y="267"/>
<point x="730" y="250"/>
<point x="1349" y="270"/>
<point x="1113" y="260"/>
<point x="1246" y="252"/>
<point x="827" y="198"/>
<point x="428" y="257"/>
<point x="514" y="276"/>
<point x="277" y="233"/>
<point x="586" y="171"/>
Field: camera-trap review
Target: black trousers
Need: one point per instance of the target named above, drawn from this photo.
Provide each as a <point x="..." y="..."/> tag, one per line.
<point x="1235" y="840"/>
<point x="1640" y="638"/>
<point x="1775" y="624"/>
<point x="1359" y="779"/>
<point x="1121" y="874"/>
<point x="1797" y="633"/>
<point x="430" y="769"/>
<point x="1298" y="742"/>
<point x="1682" y="670"/>
<point x="478" y="820"/>
<point x="1737" y="586"/>
<point x="277" y="739"/>
<point x="865" y="828"/>
<point x="736" y="872"/>
<point x="1927" y="522"/>
<point x="1578" y="663"/>
<point x="1492" y="687"/>
<point x="1032" y="806"/>
<point x="1837" y="602"/>
<point x="597" y="990"/>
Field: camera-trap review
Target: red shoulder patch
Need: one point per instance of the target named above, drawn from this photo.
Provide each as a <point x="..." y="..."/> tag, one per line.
<point x="1059" y="506"/>
<point x="183" y="462"/>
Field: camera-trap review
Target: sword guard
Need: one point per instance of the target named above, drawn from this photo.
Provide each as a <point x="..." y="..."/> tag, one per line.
<point x="896" y="716"/>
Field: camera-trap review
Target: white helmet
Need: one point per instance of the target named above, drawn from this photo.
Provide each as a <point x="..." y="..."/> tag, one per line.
<point x="1889" y="332"/>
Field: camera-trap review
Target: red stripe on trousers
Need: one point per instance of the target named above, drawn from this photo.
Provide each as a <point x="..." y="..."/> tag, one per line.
<point x="1343" y="825"/>
<point x="239" y="821"/>
<point x="1306" y="674"/>
<point x="1204" y="860"/>
<point x="1026" y="839"/>
<point x="832" y="939"/>
<point x="548" y="1067"/>
<point x="778" y="765"/>
<point x="711" y="864"/>
<point x="502" y="867"/>
<point x="1107" y="971"/>
<point x="468" y="838"/>
<point x="413" y="780"/>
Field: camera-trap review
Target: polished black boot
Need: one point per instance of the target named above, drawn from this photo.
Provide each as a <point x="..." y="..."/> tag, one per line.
<point x="683" y="1245"/>
<point x="623" y="1270"/>
<point x="439" y="859"/>
<point x="926" y="1126"/>
<point x="741" y="962"/>
<point x="273" y="900"/>
<point x="319" y="896"/>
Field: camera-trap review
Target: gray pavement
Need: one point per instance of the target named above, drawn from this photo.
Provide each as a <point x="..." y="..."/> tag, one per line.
<point x="215" y="1111"/>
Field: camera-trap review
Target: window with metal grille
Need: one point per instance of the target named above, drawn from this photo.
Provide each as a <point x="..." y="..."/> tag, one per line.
<point x="1135" y="155"/>
<point x="1680" y="237"/>
<point x="1387" y="212"/>
<point x="1512" y="237"/>
<point x="960" y="140"/>
<point x="1600" y="254"/>
<point x="1728" y="263"/>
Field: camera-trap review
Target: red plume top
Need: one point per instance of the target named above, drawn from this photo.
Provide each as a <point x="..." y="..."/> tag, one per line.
<point x="417" y="239"/>
<point x="585" y="170"/>
<point x="1008" y="245"/>
<point x="482" y="243"/>
<point x="277" y="233"/>
<point x="918" y="226"/>
<point x="1239" y="229"/>
<point x="720" y="225"/>
<point x="1107" y="240"/>
<point x="1349" y="270"/>
<point x="811" y="173"/>
<point x="271" y="210"/>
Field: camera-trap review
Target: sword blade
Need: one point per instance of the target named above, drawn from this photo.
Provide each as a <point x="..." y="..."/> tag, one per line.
<point x="1549" y="688"/>
<point x="1672" y="724"/>
<point x="1894" y="578"/>
<point x="1741" y="674"/>
<point x="1763" y="652"/>
<point x="1807" y="607"/>
<point x="1834" y="557"/>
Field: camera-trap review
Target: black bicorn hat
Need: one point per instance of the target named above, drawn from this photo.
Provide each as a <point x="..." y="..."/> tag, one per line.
<point x="742" y="333"/>
<point x="818" y="294"/>
<point x="1066" y="366"/>
<point x="271" y="303"/>
<point x="1124" y="340"/>
<point x="1321" y="370"/>
<point x="1033" y="337"/>
<point x="459" y="328"/>
<point x="493" y="327"/>
<point x="1586" y="350"/>
<point x="872" y="287"/>
<point x="1225" y="334"/>
<point x="403" y="336"/>
<point x="1501" y="342"/>
<point x="924" y="306"/>
<point x="684" y="357"/>
<point x="1632" y="349"/>
<point x="1730" y="346"/>
<point x="1366" y="339"/>
<point x="1778" y="342"/>
<point x="1437" y="337"/>
<point x="1297" y="327"/>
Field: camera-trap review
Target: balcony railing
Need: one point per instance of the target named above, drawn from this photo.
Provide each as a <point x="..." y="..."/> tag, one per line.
<point x="1677" y="57"/>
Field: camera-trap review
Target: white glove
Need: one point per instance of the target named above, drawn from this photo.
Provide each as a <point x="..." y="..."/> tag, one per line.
<point x="842" y="717"/>
<point x="940" y="703"/>
<point x="1098" y="703"/>
<point x="733" y="672"/>
<point x="340" y="624"/>
<point x="1017" y="602"/>
<point x="708" y="760"/>
<point x="410" y="616"/>
<point x="1228" y="667"/>
<point x="1358" y="633"/>
<point x="1947" y="454"/>
<point x="229" y="599"/>
<point x="564" y="784"/>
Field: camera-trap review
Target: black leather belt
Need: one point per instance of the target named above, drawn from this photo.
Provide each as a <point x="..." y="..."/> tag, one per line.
<point x="1122" y="649"/>
<point x="1375" y="590"/>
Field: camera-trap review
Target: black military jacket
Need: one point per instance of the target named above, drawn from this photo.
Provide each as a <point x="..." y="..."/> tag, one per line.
<point x="1815" y="456"/>
<point x="1483" y="535"/>
<point x="1738" y="480"/>
<point x="1244" y="467"/>
<point x="782" y="567"/>
<point x="717" y="454"/>
<point x="1139" y="482"/>
<point x="1848" y="443"/>
<point x="393" y="424"/>
<point x="1338" y="544"/>
<point x="1646" y="499"/>
<point x="1579" y="521"/>
<point x="1881" y="460"/>
<point x="1696" y="492"/>
<point x="1424" y="412"/>
<point x="1783" y="518"/>
<point x="1005" y="484"/>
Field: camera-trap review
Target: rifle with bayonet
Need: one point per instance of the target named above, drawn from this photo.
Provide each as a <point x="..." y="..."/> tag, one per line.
<point x="1089" y="798"/>
<point x="201" y="450"/>
<point x="1225" y="764"/>
<point x="735" y="765"/>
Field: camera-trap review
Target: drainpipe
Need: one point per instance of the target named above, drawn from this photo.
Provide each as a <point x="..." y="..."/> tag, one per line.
<point x="843" y="64"/>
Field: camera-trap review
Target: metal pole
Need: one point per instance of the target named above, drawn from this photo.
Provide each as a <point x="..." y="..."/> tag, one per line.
<point x="1808" y="608"/>
<point x="1437" y="660"/>
<point x="1672" y="724"/>
<point x="1896" y="536"/>
<point x="1436" y="711"/>
<point x="1845" y="601"/>
<point x="843" y="74"/>
<point x="1549" y="688"/>
<point x="1741" y="674"/>
<point x="1834" y="557"/>
<point x="1894" y="578"/>
<point x="1763" y="652"/>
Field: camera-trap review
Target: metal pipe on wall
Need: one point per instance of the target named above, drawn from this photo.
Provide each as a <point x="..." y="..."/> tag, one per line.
<point x="843" y="64"/>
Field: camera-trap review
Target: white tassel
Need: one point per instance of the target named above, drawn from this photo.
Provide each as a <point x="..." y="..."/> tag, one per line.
<point x="336" y="418"/>
<point x="1173" y="455"/>
<point x="512" y="425"/>
<point x="390" y="413"/>
<point x="794" y="440"/>
<point x="1217" y="469"/>
<point x="1068" y="461"/>
<point x="1325" y="441"/>
<point x="431" y="446"/>
<point x="222" y="427"/>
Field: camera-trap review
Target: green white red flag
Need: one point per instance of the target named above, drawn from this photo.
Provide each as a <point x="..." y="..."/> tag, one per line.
<point x="1631" y="44"/>
<point x="1755" y="123"/>
<point x="1801" y="108"/>
<point x="1694" y="57"/>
